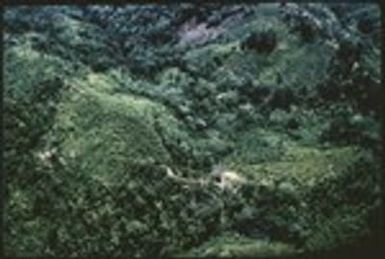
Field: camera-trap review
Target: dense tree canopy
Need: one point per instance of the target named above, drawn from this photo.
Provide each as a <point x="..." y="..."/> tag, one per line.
<point x="117" y="118"/>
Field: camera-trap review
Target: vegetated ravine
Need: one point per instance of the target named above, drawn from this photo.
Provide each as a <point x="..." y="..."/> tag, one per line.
<point x="192" y="130"/>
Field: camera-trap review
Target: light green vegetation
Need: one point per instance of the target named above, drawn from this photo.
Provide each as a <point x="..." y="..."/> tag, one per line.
<point x="243" y="247"/>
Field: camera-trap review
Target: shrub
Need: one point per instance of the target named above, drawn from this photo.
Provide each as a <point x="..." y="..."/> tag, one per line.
<point x="262" y="42"/>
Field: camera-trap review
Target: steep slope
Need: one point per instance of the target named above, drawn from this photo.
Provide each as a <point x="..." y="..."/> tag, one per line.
<point x="117" y="119"/>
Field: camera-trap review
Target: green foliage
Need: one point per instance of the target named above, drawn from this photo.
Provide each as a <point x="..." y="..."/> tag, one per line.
<point x="344" y="226"/>
<point x="242" y="247"/>
<point x="256" y="146"/>
<point x="263" y="42"/>
<point x="101" y="102"/>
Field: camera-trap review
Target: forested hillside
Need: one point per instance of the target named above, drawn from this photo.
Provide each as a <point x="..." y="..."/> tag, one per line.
<point x="190" y="130"/>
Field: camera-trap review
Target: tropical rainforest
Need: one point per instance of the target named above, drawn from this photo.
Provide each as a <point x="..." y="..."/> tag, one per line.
<point x="190" y="129"/>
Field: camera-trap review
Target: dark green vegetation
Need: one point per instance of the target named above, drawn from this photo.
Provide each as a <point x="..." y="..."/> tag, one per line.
<point x="99" y="101"/>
